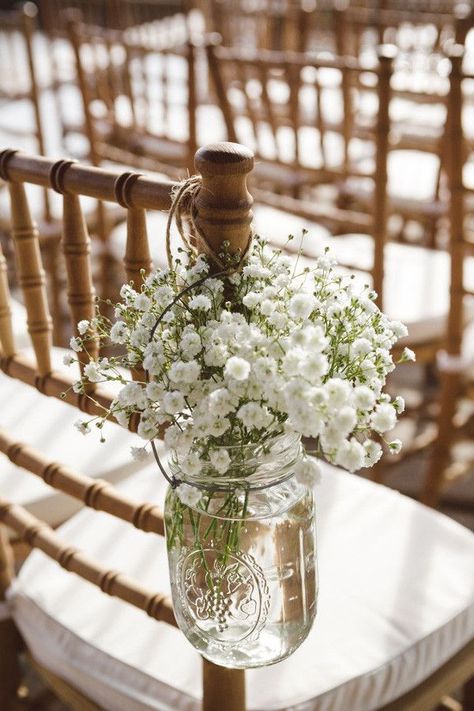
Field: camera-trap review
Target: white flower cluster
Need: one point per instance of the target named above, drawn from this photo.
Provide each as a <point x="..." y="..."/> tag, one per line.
<point x="240" y="359"/>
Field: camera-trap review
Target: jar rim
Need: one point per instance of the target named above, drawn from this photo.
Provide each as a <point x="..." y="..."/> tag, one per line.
<point x="268" y="463"/>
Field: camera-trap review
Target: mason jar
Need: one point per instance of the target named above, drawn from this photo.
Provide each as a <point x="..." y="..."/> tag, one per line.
<point x="242" y="559"/>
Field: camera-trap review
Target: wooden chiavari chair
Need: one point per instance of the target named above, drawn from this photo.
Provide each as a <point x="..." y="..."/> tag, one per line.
<point x="136" y="95"/>
<point x="419" y="92"/>
<point x="283" y="105"/>
<point x="455" y="360"/>
<point x="378" y="578"/>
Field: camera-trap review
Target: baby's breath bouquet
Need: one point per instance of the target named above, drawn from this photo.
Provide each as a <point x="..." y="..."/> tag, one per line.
<point x="235" y="369"/>
<point x="239" y="358"/>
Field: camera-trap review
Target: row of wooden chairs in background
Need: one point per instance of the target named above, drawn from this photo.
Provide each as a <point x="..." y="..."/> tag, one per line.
<point x="262" y="91"/>
<point x="426" y="289"/>
<point x="223" y="212"/>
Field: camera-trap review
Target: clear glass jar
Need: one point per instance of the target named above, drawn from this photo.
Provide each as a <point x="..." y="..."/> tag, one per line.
<point x="242" y="561"/>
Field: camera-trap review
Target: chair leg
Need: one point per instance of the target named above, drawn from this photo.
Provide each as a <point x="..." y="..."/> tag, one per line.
<point x="440" y="455"/>
<point x="468" y="695"/>
<point x="10" y="640"/>
<point x="223" y="688"/>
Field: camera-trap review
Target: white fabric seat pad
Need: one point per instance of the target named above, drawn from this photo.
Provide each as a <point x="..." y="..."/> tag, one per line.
<point x="396" y="601"/>
<point x="47" y="424"/>
<point x="416" y="284"/>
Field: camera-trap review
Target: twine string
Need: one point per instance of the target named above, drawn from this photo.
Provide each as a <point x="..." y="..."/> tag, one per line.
<point x="183" y="207"/>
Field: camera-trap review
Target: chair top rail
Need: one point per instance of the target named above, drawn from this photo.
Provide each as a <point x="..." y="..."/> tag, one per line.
<point x="100" y="183"/>
<point x="280" y="59"/>
<point x="38" y="534"/>
<point x="394" y="16"/>
<point x="95" y="493"/>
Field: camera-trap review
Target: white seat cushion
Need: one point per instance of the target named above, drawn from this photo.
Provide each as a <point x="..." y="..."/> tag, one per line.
<point x="396" y="601"/>
<point x="48" y="424"/>
<point x="20" y="329"/>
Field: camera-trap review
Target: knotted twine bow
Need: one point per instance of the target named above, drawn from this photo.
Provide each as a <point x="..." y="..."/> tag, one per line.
<point x="183" y="208"/>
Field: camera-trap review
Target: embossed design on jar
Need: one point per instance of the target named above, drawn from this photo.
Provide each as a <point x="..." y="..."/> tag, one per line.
<point x="228" y="600"/>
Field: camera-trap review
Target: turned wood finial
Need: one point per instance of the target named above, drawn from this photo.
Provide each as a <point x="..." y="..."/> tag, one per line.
<point x="223" y="203"/>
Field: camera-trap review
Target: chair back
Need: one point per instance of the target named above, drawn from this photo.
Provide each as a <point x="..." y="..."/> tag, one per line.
<point x="455" y="360"/>
<point x="19" y="81"/>
<point x="284" y="106"/>
<point x="221" y="212"/>
<point x="138" y="95"/>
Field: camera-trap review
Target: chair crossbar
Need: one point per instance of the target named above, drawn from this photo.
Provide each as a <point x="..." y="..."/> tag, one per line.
<point x="95" y="493"/>
<point x="38" y="534"/>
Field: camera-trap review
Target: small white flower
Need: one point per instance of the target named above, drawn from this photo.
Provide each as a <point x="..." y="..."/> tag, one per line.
<point x="408" y="355"/>
<point x="139" y="337"/>
<point x="221" y="402"/>
<point x="75" y="344"/>
<point x="122" y="417"/>
<point x="200" y="302"/>
<point x="254" y="415"/>
<point x="361" y="346"/>
<point x="351" y="455"/>
<point x="154" y="392"/>
<point x="399" y="404"/>
<point x="278" y="319"/>
<point x="399" y="329"/>
<point x="338" y="392"/>
<point x="142" y="302"/>
<point x="118" y="332"/>
<point x="301" y="306"/>
<point x="188" y="495"/>
<point x="346" y="419"/>
<point x="220" y="460"/>
<point x="191" y="464"/>
<point x="132" y="395"/>
<point x="292" y="361"/>
<point x="237" y="368"/>
<point x="308" y="471"/>
<point x="92" y="373"/>
<point x="251" y="299"/>
<point x="173" y="402"/>
<point x="191" y="344"/>
<point x="364" y="397"/>
<point x="267" y="307"/>
<point x="314" y="366"/>
<point x="69" y="359"/>
<point x="139" y="454"/>
<point x="83" y="326"/>
<point x="184" y="372"/>
<point x="82" y="427"/>
<point x="384" y="418"/>
<point x="373" y="452"/>
<point x="395" y="446"/>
